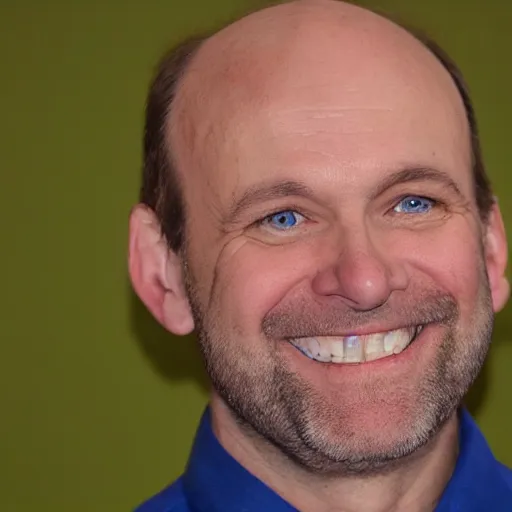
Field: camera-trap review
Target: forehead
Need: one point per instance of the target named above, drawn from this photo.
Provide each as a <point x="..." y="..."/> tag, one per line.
<point x="312" y="94"/>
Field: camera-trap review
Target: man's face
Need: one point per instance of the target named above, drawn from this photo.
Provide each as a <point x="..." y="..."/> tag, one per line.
<point x="335" y="258"/>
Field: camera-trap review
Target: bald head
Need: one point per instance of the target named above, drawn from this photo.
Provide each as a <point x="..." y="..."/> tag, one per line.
<point x="276" y="49"/>
<point x="291" y="66"/>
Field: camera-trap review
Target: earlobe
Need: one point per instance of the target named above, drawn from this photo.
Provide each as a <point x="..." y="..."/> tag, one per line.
<point x="156" y="273"/>
<point x="177" y="314"/>
<point x="496" y="257"/>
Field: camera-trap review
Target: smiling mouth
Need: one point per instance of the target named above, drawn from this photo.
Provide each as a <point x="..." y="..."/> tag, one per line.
<point x="357" y="349"/>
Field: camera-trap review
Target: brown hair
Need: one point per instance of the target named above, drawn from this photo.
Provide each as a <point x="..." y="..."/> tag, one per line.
<point x="161" y="189"/>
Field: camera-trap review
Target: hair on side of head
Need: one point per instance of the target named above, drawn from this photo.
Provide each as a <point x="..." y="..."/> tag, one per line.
<point x="161" y="189"/>
<point x="482" y="186"/>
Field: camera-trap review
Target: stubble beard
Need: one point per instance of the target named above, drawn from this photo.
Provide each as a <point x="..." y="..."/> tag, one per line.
<point x="276" y="406"/>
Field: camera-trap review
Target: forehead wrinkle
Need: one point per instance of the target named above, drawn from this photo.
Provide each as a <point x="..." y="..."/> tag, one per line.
<point x="325" y="113"/>
<point x="238" y="63"/>
<point x="237" y="73"/>
<point x="328" y="112"/>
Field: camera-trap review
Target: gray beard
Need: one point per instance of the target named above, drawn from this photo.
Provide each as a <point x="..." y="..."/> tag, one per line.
<point x="279" y="407"/>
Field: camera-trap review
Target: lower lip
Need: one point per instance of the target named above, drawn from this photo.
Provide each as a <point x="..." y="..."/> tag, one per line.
<point x="407" y="354"/>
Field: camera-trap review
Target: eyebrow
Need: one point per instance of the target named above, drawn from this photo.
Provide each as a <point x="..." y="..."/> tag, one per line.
<point x="411" y="174"/>
<point x="266" y="192"/>
<point x="260" y="193"/>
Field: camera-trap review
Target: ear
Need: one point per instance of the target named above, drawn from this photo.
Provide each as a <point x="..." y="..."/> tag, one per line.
<point x="156" y="273"/>
<point x="496" y="256"/>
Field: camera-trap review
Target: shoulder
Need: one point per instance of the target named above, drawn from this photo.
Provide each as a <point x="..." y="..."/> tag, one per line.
<point x="171" y="499"/>
<point x="506" y="473"/>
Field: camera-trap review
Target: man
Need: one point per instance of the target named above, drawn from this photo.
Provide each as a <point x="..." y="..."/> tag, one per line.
<point x="315" y="207"/>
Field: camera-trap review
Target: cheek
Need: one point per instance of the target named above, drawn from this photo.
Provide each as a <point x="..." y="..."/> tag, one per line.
<point x="451" y="258"/>
<point x="251" y="278"/>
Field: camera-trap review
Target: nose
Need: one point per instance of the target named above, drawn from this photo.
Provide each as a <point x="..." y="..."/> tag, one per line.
<point x="360" y="274"/>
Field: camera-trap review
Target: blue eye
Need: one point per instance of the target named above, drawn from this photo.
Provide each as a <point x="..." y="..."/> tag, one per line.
<point x="414" y="204"/>
<point x="284" y="220"/>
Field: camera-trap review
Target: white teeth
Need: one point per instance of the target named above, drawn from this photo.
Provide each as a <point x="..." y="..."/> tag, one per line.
<point x="324" y="352"/>
<point x="396" y="341"/>
<point x="314" y="347"/>
<point x="337" y="348"/>
<point x="389" y="341"/>
<point x="356" y="349"/>
<point x="353" y="349"/>
<point x="374" y="346"/>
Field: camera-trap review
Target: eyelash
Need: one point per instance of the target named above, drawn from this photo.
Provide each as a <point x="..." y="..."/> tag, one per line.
<point x="260" y="222"/>
<point x="267" y="216"/>
<point x="435" y="202"/>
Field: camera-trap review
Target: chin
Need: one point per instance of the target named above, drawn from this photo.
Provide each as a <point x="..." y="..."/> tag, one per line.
<point x="363" y="437"/>
<point x="366" y="424"/>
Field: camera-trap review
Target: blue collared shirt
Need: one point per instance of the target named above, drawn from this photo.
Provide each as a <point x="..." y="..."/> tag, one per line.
<point x="215" y="482"/>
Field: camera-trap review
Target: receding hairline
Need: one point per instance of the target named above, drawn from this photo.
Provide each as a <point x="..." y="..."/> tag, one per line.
<point x="178" y="111"/>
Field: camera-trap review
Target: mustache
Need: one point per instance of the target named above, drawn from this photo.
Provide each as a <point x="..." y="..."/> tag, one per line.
<point x="307" y="318"/>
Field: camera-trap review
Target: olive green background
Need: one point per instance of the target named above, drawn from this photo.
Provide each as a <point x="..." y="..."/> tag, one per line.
<point x="98" y="405"/>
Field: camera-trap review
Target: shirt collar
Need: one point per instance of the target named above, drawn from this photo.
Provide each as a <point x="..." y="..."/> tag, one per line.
<point x="478" y="481"/>
<point x="215" y="482"/>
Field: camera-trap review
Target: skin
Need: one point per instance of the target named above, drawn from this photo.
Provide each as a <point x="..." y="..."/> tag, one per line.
<point x="335" y="106"/>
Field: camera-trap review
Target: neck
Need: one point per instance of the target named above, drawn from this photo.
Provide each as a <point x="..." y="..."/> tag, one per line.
<point x="414" y="485"/>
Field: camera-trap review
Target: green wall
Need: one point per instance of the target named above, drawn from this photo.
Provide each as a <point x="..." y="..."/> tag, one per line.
<point x="99" y="405"/>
